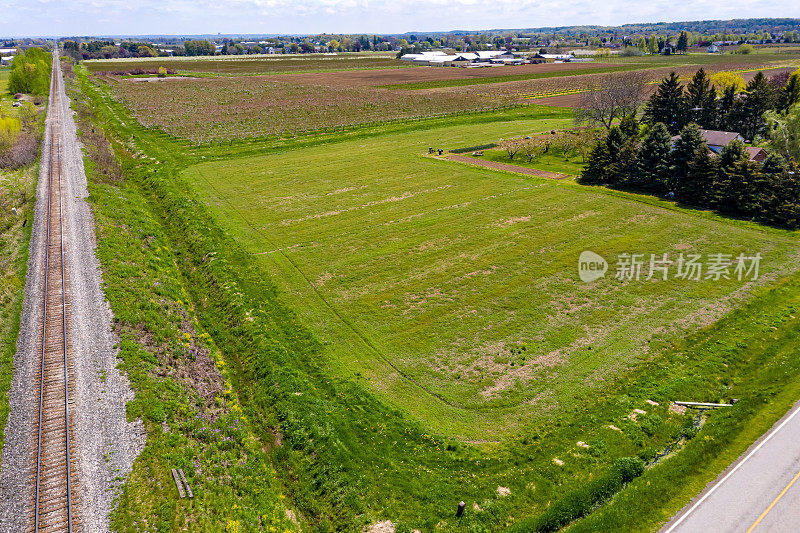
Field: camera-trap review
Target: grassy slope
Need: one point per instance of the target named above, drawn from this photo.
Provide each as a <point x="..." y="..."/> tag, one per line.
<point x="362" y="453"/>
<point x="421" y="275"/>
<point x="14" y="240"/>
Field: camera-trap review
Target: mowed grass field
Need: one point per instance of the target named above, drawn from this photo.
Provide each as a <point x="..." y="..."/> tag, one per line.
<point x="453" y="292"/>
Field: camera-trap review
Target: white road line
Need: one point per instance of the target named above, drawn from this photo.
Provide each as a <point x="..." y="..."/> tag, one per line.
<point x="735" y="468"/>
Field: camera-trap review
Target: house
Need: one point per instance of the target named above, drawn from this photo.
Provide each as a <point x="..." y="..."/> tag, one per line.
<point x="712" y="49"/>
<point x="717" y="140"/>
<point x="4" y="51"/>
<point x="6" y="60"/>
<point x="756" y="154"/>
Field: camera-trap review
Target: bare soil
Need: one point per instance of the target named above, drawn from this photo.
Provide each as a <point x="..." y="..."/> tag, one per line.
<point x="371" y="78"/>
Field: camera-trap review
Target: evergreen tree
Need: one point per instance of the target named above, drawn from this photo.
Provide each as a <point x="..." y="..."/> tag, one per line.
<point x="725" y="109"/>
<point x="722" y="195"/>
<point x="701" y="99"/>
<point x="597" y="165"/>
<point x="683" y="152"/>
<point x="783" y="206"/>
<point x="683" y="42"/>
<point x="749" y="111"/>
<point x="790" y="94"/>
<point x="624" y="170"/>
<point x="747" y="192"/>
<point x="654" y="159"/>
<point x="668" y="105"/>
<point x="629" y="125"/>
<point x="615" y="141"/>
<point x="695" y="189"/>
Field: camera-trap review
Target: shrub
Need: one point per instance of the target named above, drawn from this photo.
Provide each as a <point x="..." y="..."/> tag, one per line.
<point x="162" y="72"/>
<point x="745" y="49"/>
<point x="22" y="153"/>
<point x="9" y="130"/>
<point x="722" y="80"/>
<point x="582" y="501"/>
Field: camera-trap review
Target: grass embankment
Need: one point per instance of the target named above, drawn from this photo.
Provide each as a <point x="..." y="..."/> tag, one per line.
<point x="183" y="391"/>
<point x="343" y="457"/>
<point x="17" y="192"/>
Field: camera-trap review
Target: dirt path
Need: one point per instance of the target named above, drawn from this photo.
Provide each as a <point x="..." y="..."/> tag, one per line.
<point x="507" y="167"/>
<point x="105" y="444"/>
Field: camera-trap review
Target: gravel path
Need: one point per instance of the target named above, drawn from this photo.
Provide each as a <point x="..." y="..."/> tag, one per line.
<point x="106" y="444"/>
<point x="506" y="166"/>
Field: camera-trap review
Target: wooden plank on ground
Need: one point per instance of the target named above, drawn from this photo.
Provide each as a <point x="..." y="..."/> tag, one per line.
<point x="186" y="483"/>
<point x="178" y="483"/>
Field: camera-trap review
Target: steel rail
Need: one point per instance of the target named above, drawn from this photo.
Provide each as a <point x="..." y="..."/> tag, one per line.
<point x="54" y="163"/>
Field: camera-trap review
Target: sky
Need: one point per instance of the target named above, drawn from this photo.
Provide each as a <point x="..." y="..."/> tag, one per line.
<point x="193" y="17"/>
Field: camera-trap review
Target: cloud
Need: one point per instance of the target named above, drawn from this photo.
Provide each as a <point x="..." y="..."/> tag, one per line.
<point x="184" y="17"/>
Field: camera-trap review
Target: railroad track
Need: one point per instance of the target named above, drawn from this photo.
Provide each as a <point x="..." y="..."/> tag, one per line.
<point x="54" y="491"/>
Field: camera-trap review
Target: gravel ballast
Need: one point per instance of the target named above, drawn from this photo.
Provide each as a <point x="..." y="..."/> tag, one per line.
<point x="105" y="443"/>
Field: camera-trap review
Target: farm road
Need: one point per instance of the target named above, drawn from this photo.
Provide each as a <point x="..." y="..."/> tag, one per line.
<point x="507" y="167"/>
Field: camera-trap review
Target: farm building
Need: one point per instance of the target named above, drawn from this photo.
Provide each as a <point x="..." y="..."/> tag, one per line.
<point x="6" y="60"/>
<point x="482" y="58"/>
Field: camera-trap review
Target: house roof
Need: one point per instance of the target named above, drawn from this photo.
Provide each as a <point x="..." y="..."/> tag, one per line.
<point x="755" y="153"/>
<point x="719" y="138"/>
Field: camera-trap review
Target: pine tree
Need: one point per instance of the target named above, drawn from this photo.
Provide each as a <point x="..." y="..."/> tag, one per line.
<point x="629" y="125"/>
<point x="723" y="195"/>
<point x="725" y="109"/>
<point x="684" y="151"/>
<point x="597" y="165"/>
<point x="668" y="105"/>
<point x="624" y="170"/>
<point x="615" y="141"/>
<point x="790" y="94"/>
<point x="747" y="192"/>
<point x="654" y="159"/>
<point x="701" y="99"/>
<point x="749" y="111"/>
<point x="683" y="42"/>
<point x="695" y="189"/>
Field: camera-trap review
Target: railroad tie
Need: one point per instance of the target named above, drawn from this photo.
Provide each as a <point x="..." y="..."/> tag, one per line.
<point x="185" y="483"/>
<point x="178" y="483"/>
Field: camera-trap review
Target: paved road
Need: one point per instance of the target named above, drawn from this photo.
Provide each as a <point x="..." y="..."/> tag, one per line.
<point x="760" y="492"/>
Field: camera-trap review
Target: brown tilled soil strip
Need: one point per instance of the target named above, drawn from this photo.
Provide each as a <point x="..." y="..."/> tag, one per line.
<point x="507" y="167"/>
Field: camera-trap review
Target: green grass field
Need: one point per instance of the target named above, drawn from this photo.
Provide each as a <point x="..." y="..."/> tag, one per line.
<point x="426" y="279"/>
<point x="390" y="256"/>
<point x="553" y="161"/>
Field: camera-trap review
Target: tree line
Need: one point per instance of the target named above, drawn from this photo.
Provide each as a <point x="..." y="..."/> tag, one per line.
<point x="30" y="72"/>
<point x="643" y="156"/>
<point x="736" y="107"/>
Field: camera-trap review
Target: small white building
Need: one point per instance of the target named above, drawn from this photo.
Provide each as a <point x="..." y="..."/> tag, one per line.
<point x="712" y="49"/>
<point x="6" y="60"/>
